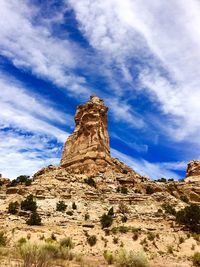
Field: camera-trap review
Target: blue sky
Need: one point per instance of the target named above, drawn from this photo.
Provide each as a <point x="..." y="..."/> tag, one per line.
<point x="142" y="57"/>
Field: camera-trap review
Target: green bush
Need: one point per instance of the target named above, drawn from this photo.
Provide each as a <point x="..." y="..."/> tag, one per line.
<point x="196" y="258"/>
<point x="124" y="219"/>
<point x="87" y="216"/>
<point x="131" y="259"/>
<point x="3" y="239"/>
<point x="108" y="256"/>
<point x="21" y="241"/>
<point x="29" y="204"/>
<point x="92" y="239"/>
<point x="151" y="236"/>
<point x="33" y="255"/>
<point x="90" y="181"/>
<point x="106" y="220"/>
<point x="28" y="182"/>
<point x="169" y="209"/>
<point x="190" y="217"/>
<point x="149" y="190"/>
<point x="13" y="207"/>
<point x="34" y="219"/>
<point x="162" y="180"/>
<point x="67" y="242"/>
<point x="184" y="199"/>
<point x="74" y="206"/>
<point x="22" y="179"/>
<point x="123" y="208"/>
<point x="111" y="212"/>
<point x="124" y="190"/>
<point x="61" y="206"/>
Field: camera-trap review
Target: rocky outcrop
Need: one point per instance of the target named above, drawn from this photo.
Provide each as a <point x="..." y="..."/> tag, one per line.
<point x="193" y="171"/>
<point x="87" y="150"/>
<point x="193" y="168"/>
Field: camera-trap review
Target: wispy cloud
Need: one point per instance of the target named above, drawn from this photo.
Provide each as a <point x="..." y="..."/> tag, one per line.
<point x="165" y="37"/>
<point x="20" y="109"/>
<point x="24" y="154"/>
<point x="33" y="47"/>
<point x="153" y="170"/>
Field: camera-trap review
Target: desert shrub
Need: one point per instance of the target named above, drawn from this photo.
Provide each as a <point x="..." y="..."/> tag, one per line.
<point x="181" y="239"/>
<point x="87" y="216"/>
<point x="33" y="255"/>
<point x="137" y="191"/>
<point x="29" y="204"/>
<point x="66" y="242"/>
<point x="111" y="211"/>
<point x="196" y="258"/>
<point x="74" y="206"/>
<point x="123" y="229"/>
<point x="135" y="236"/>
<point x="151" y="236"/>
<point x="106" y="220"/>
<point x="34" y="219"/>
<point x="22" y="179"/>
<point x="171" y="180"/>
<point x="184" y="199"/>
<point x="108" y="256"/>
<point x="124" y="219"/>
<point x="190" y="217"/>
<point x="115" y="240"/>
<point x="170" y="249"/>
<point x="90" y="181"/>
<point x="131" y="259"/>
<point x="124" y="190"/>
<point x="21" y="241"/>
<point x="61" y="206"/>
<point x="169" y="209"/>
<point x="52" y="250"/>
<point x="162" y="180"/>
<point x="118" y="189"/>
<point x="149" y="190"/>
<point x="123" y="209"/>
<point x="3" y="239"/>
<point x="92" y="239"/>
<point x="13" y="207"/>
<point x="28" y="182"/>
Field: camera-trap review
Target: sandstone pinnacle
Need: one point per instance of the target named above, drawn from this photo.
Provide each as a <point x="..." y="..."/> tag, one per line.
<point x="87" y="149"/>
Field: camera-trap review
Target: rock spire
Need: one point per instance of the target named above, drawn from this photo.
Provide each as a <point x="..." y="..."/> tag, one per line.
<point x="87" y="149"/>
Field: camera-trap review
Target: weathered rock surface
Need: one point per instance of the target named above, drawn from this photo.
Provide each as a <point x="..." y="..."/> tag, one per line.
<point x="193" y="171"/>
<point x="87" y="150"/>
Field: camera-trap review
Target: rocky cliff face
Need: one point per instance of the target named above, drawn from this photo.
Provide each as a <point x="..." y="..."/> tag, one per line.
<point x="193" y="171"/>
<point x="87" y="149"/>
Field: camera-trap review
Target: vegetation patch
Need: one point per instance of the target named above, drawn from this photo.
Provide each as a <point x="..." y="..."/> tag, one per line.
<point x="190" y="217"/>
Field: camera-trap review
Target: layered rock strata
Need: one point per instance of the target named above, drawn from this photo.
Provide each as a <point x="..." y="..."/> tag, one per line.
<point x="87" y="149"/>
<point x="193" y="171"/>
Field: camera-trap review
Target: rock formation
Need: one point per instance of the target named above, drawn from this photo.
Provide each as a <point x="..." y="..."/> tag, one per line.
<point x="87" y="149"/>
<point x="193" y="171"/>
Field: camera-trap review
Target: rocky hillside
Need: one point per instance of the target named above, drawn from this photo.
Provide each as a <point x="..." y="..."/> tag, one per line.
<point x="93" y="210"/>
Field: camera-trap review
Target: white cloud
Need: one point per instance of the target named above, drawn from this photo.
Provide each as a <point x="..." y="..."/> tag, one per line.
<point x="25" y="154"/>
<point x="20" y="109"/>
<point x="122" y="111"/>
<point x="154" y="170"/>
<point x="33" y="47"/>
<point x="164" y="34"/>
